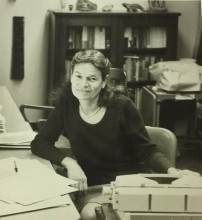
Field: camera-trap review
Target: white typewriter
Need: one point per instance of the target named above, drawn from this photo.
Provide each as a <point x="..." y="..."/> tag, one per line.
<point x="157" y="197"/>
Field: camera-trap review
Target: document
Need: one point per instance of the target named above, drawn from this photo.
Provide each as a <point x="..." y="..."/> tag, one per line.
<point x="22" y="138"/>
<point x="9" y="207"/>
<point x="28" y="181"/>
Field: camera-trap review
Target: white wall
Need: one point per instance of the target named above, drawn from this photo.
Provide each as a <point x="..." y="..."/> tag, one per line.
<point x="32" y="89"/>
<point x="189" y="23"/>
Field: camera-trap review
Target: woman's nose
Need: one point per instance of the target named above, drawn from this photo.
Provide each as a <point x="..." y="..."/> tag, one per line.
<point x="84" y="82"/>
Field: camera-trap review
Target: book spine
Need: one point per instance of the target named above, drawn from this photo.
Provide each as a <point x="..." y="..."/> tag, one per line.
<point x="70" y="38"/>
<point x="128" y="36"/>
<point x="78" y="37"/>
<point x="107" y="38"/>
<point x="91" y="34"/>
<point x="68" y="69"/>
<point x="96" y="38"/>
<point x="84" y="37"/>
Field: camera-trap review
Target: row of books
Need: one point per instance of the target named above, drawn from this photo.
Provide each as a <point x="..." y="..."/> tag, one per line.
<point x="88" y="37"/>
<point x="148" y="37"/>
<point x="96" y="37"/>
<point x="137" y="67"/>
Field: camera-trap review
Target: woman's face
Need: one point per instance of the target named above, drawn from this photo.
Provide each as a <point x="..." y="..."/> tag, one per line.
<point x="86" y="82"/>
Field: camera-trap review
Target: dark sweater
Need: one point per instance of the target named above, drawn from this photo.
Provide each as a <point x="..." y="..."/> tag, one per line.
<point x="114" y="146"/>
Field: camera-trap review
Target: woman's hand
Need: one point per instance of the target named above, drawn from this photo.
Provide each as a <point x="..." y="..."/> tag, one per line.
<point x="75" y="172"/>
<point x="185" y="172"/>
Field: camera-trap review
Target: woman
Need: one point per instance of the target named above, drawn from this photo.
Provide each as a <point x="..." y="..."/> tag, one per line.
<point x="105" y="130"/>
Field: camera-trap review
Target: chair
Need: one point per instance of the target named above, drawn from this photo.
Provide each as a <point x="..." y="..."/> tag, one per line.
<point x="46" y="110"/>
<point x="165" y="140"/>
<point x="117" y="77"/>
<point x="63" y="142"/>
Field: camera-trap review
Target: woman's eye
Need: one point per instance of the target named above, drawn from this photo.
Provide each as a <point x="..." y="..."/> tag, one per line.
<point x="78" y="76"/>
<point x="92" y="79"/>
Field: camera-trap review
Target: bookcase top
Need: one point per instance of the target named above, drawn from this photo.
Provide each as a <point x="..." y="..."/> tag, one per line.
<point x="100" y="13"/>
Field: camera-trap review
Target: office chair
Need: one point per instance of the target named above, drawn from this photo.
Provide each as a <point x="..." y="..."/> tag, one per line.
<point x="117" y="77"/>
<point x="165" y="140"/>
<point x="46" y="110"/>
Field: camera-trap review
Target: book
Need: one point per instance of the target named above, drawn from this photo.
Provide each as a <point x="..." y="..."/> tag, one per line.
<point x="99" y="38"/>
<point x="84" y="37"/>
<point x="78" y="37"/>
<point x="96" y="37"/>
<point x="131" y="67"/>
<point x="70" y="38"/>
<point x="68" y="69"/>
<point x="128" y="36"/>
<point x="107" y="38"/>
<point x="91" y="34"/>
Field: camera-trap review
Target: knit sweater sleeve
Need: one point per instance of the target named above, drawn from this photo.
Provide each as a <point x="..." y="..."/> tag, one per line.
<point x="44" y="143"/>
<point x="146" y="151"/>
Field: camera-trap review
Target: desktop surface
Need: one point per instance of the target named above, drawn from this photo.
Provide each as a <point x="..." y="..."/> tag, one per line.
<point x="16" y="123"/>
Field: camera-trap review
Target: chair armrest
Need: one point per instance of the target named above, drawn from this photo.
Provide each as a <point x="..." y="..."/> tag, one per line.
<point x="37" y="107"/>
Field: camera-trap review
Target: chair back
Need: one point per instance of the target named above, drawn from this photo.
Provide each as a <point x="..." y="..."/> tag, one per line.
<point x="117" y="77"/>
<point x="165" y="140"/>
<point x="44" y="110"/>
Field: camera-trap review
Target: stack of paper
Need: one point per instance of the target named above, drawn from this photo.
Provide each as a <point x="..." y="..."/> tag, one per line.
<point x="13" y="139"/>
<point x="10" y="207"/>
<point x="28" y="184"/>
<point x="2" y="123"/>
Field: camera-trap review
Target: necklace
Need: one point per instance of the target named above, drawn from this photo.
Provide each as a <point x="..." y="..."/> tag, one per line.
<point x="91" y="115"/>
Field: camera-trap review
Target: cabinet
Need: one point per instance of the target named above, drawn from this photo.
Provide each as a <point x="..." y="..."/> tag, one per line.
<point x="174" y="111"/>
<point x="162" y="109"/>
<point x="126" y="36"/>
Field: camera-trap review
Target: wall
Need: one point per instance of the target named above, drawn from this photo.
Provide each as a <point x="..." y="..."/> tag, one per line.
<point x="32" y="89"/>
<point x="189" y="26"/>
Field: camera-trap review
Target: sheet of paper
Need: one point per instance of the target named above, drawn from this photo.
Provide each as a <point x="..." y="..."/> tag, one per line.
<point x="33" y="182"/>
<point x="33" y="167"/>
<point x="26" y="191"/>
<point x="13" y="208"/>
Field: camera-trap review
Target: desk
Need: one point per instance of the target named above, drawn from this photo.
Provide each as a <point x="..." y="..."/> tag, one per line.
<point x="15" y="122"/>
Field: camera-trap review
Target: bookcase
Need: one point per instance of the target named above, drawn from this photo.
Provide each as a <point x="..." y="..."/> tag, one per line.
<point x="132" y="41"/>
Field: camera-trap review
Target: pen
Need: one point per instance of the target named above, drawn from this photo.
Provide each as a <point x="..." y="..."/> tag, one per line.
<point x="15" y="167"/>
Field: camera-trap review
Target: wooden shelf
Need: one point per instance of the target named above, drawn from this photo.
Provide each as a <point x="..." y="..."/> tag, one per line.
<point x="116" y="23"/>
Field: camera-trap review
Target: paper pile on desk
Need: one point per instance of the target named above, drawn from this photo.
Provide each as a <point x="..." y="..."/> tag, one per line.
<point x="31" y="186"/>
<point x="2" y="123"/>
<point x="21" y="138"/>
<point x="8" y="208"/>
